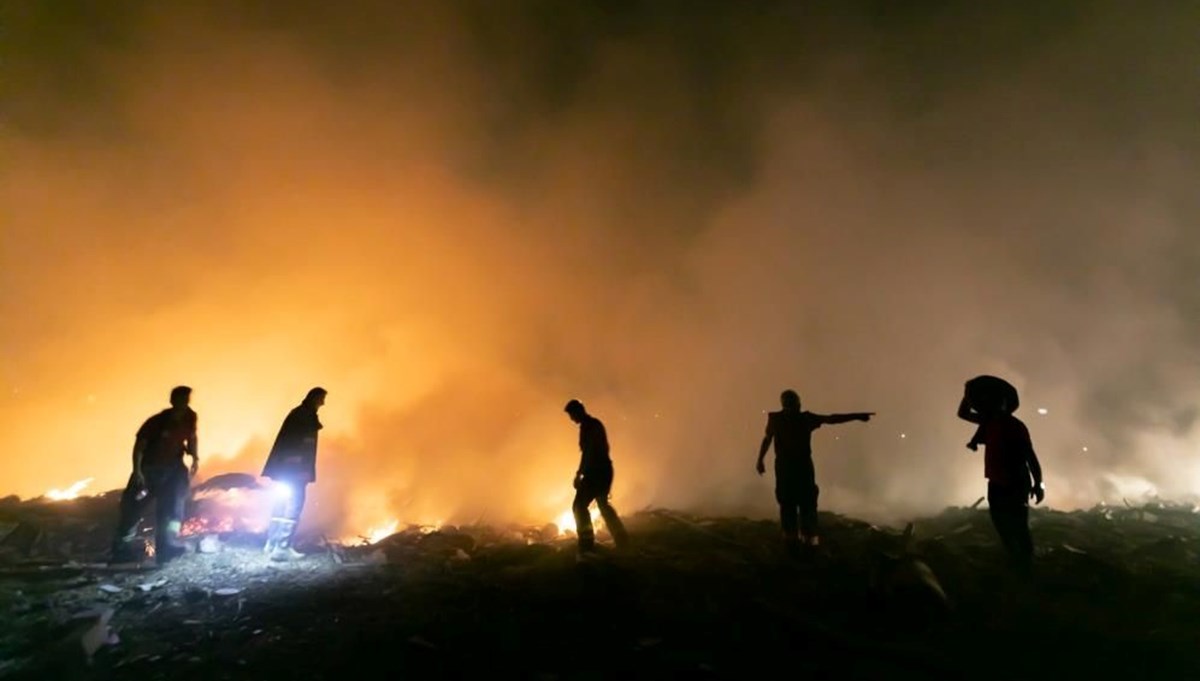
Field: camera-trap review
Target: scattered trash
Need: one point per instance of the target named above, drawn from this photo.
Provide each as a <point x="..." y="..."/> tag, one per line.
<point x="1138" y="564"/>
<point x="97" y="633"/>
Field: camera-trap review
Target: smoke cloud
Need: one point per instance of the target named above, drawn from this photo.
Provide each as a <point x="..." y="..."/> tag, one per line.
<point x="457" y="216"/>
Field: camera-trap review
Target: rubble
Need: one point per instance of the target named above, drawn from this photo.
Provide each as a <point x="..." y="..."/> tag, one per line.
<point x="1114" y="592"/>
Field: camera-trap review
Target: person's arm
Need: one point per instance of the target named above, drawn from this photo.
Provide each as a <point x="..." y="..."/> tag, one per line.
<point x="139" y="450"/>
<point x="312" y="427"/>
<point x="966" y="413"/>
<point x="1035" y="469"/>
<point x="193" y="448"/>
<point x="591" y="440"/>
<point x="766" y="445"/>
<point x="834" y="419"/>
<point x="977" y="438"/>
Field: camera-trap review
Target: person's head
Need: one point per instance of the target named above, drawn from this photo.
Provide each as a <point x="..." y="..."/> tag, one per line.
<point x="315" y="398"/>
<point x="181" y="396"/>
<point x="789" y="399"/>
<point x="575" y="410"/>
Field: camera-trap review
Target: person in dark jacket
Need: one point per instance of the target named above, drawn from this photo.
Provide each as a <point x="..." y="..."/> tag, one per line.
<point x="159" y="475"/>
<point x="292" y="464"/>
<point x="593" y="480"/>
<point x="1010" y="465"/>
<point x="795" y="476"/>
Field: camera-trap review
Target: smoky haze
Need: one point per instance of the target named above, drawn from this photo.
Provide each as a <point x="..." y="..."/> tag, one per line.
<point x="457" y="216"/>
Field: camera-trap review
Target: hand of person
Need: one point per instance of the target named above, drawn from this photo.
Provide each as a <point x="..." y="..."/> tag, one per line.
<point x="760" y="467"/>
<point x="973" y="446"/>
<point x="866" y="416"/>
<point x="1038" y="492"/>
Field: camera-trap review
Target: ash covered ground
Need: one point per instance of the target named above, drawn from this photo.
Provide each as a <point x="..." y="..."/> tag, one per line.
<point x="1116" y="594"/>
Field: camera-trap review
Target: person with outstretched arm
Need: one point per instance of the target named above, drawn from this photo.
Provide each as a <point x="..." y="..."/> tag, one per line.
<point x="796" y="491"/>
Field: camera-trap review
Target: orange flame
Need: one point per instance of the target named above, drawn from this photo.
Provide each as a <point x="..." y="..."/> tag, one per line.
<point x="69" y="493"/>
<point x="566" y="521"/>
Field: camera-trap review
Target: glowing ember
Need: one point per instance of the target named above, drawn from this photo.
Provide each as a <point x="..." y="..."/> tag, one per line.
<point x="197" y="525"/>
<point x="71" y="492"/>
<point x="566" y="521"/>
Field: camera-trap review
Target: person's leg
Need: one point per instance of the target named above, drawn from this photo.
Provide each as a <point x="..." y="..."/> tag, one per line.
<point x="612" y="521"/>
<point x="806" y="496"/>
<point x="787" y="498"/>
<point x="808" y="515"/>
<point x="586" y="535"/>
<point x="1022" y="540"/>
<point x="1010" y="516"/>
<point x="291" y="516"/>
<point x="170" y="496"/>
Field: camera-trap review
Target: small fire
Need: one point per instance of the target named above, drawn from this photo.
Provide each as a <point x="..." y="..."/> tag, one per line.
<point x="378" y="533"/>
<point x="69" y="493"/>
<point x="381" y="532"/>
<point x="566" y="521"/>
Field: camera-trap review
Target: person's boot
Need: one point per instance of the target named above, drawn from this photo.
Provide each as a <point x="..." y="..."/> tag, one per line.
<point x="283" y="550"/>
<point x="272" y="537"/>
<point x="167" y="546"/>
<point x="586" y="545"/>
<point x="616" y="529"/>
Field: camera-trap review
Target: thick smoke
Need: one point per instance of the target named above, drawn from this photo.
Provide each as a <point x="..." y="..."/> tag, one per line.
<point x="455" y="217"/>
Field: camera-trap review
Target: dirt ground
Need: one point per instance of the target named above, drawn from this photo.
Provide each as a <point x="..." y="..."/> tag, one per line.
<point x="1116" y="594"/>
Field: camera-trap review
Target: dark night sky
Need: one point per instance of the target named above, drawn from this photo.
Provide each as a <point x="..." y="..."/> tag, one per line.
<point x="457" y="215"/>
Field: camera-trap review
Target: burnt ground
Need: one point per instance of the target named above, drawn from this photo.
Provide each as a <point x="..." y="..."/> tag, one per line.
<point x="1116" y="594"/>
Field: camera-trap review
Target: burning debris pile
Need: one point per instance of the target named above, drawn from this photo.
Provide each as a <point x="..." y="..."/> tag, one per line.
<point x="228" y="504"/>
<point x="1116" y="592"/>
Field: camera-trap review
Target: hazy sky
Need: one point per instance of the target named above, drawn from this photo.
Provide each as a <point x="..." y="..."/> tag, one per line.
<point x="455" y="216"/>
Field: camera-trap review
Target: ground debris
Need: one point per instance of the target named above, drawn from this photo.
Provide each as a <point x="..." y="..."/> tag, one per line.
<point x="693" y="590"/>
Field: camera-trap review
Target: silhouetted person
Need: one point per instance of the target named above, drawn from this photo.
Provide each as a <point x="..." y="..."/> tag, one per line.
<point x="159" y="475"/>
<point x="593" y="480"/>
<point x="795" y="477"/>
<point x="987" y="392"/>
<point x="292" y="464"/>
<point x="1008" y="463"/>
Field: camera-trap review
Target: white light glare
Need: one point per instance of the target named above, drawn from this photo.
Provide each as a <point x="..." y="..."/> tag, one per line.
<point x="281" y="489"/>
<point x="1043" y="411"/>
